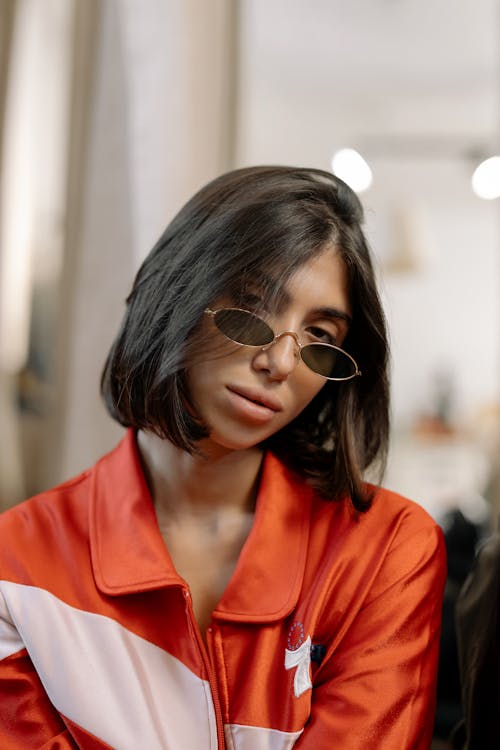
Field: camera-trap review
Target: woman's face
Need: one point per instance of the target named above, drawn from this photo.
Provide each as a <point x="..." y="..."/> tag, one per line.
<point x="248" y="394"/>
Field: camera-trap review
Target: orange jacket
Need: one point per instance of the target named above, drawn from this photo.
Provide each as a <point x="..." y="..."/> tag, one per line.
<point x="326" y="636"/>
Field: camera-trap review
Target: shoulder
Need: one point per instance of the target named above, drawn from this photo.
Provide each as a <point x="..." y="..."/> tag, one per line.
<point x="412" y="534"/>
<point x="391" y="509"/>
<point x="36" y="520"/>
<point x="395" y="536"/>
<point x="59" y="522"/>
<point x="392" y="555"/>
<point x="415" y="540"/>
<point x="390" y="515"/>
<point x="70" y="499"/>
<point x="42" y="537"/>
<point x="43" y="502"/>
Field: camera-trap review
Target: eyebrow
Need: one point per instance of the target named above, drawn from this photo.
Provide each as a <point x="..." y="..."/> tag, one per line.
<point x="332" y="312"/>
<point x="323" y="311"/>
<point x="282" y="299"/>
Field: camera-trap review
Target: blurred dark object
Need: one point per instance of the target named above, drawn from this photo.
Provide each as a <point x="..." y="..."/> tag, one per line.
<point x="477" y="621"/>
<point x="461" y="538"/>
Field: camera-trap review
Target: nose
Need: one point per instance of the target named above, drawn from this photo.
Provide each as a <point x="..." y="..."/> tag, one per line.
<point x="280" y="357"/>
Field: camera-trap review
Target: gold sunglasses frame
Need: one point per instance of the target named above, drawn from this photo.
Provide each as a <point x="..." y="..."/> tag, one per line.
<point x="300" y="347"/>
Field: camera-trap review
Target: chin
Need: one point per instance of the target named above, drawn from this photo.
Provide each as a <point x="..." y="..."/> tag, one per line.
<point x="226" y="442"/>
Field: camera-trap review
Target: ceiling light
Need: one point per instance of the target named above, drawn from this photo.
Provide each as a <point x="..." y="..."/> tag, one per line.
<point x="486" y="179"/>
<point x="350" y="166"/>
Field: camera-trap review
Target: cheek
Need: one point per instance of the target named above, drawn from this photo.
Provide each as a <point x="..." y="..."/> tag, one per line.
<point x="210" y="371"/>
<point x="308" y="388"/>
<point x="199" y="380"/>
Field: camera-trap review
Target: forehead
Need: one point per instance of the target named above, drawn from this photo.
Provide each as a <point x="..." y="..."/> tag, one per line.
<point x="322" y="281"/>
<point x="276" y="283"/>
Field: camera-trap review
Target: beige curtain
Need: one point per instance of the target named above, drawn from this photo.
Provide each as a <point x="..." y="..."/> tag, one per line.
<point x="149" y="116"/>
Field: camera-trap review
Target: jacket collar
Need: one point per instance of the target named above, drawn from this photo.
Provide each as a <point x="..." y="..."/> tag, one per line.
<point x="129" y="555"/>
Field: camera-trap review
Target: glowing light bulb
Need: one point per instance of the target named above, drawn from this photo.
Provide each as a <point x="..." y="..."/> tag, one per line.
<point x="486" y="179"/>
<point x="350" y="166"/>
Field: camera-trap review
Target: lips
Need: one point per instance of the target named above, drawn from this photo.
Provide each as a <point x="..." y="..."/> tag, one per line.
<point x="258" y="397"/>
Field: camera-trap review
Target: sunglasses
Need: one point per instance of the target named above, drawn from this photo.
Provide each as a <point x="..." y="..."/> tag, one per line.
<point x="247" y="329"/>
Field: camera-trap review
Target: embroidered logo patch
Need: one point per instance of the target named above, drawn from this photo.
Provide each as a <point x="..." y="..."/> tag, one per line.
<point x="298" y="656"/>
<point x="295" y="636"/>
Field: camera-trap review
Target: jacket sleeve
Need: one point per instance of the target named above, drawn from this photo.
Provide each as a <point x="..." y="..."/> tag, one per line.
<point x="27" y="717"/>
<point x="377" y="689"/>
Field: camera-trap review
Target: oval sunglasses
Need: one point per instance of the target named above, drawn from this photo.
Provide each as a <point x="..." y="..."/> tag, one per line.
<point x="248" y="329"/>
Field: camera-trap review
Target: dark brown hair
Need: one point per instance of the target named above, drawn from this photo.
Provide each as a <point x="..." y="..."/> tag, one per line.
<point x="254" y="223"/>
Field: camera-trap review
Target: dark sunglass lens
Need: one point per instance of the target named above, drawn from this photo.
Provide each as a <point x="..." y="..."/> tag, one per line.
<point x="243" y="327"/>
<point x="328" y="361"/>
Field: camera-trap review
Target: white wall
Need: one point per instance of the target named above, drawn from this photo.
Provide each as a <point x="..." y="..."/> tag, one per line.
<point x="444" y="314"/>
<point x="157" y="131"/>
<point x="404" y="85"/>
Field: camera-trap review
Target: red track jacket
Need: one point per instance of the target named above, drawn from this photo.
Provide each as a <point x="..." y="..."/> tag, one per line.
<point x="326" y="636"/>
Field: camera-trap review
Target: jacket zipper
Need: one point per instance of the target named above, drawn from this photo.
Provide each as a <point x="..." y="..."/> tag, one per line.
<point x="206" y="652"/>
<point x="214" y="687"/>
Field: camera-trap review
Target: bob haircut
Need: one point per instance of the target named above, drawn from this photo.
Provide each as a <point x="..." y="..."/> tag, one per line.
<point x="257" y="225"/>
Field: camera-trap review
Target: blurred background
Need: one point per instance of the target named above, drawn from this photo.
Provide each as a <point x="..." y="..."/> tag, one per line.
<point x="113" y="112"/>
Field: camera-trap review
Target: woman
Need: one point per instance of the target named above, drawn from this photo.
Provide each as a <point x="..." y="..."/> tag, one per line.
<point x="224" y="577"/>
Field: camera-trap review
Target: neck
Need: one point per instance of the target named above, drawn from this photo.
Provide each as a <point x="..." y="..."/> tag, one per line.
<point x="183" y="485"/>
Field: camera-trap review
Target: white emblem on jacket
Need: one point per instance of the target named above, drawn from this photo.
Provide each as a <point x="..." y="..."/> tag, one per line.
<point x="301" y="659"/>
